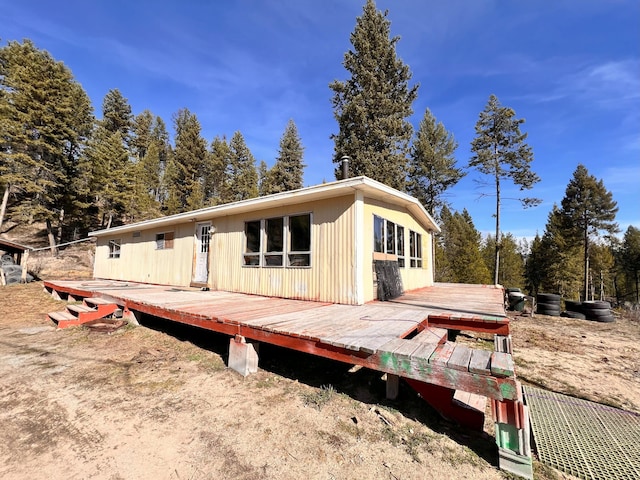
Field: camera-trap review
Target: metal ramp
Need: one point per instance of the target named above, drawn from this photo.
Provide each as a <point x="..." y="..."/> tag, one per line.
<point x="585" y="439"/>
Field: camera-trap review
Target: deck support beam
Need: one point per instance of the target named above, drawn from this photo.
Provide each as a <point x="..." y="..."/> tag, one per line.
<point x="393" y="386"/>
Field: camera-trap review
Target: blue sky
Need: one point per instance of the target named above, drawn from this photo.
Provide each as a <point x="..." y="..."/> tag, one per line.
<point x="571" y="68"/>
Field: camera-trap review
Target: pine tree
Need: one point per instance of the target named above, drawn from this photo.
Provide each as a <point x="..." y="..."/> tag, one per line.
<point x="512" y="263"/>
<point x="500" y="151"/>
<point x="217" y="185"/>
<point x="628" y="258"/>
<point x="44" y="119"/>
<point x="588" y="209"/>
<point x="116" y="114"/>
<point x="373" y="105"/>
<point x="286" y="173"/>
<point x="242" y="176"/>
<point x="460" y="246"/>
<point x="432" y="168"/>
<point x="189" y="157"/>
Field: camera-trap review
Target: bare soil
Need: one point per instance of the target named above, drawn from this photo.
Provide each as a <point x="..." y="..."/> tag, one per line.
<point x="156" y="402"/>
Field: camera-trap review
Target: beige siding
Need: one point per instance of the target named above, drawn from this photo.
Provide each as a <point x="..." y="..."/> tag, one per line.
<point x="412" y="278"/>
<point x="330" y="277"/>
<point x="140" y="261"/>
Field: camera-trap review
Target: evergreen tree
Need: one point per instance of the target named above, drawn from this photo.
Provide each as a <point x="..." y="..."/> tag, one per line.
<point x="264" y="180"/>
<point x="116" y="114"/>
<point x="242" y="176"/>
<point x="500" y="151"/>
<point x="189" y="157"/>
<point x="217" y="185"/>
<point x="373" y="105"/>
<point x="628" y="259"/>
<point x="44" y="119"/>
<point x="460" y="242"/>
<point x="512" y="263"/>
<point x="588" y="209"/>
<point x="286" y="173"/>
<point x="432" y="168"/>
<point x="534" y="270"/>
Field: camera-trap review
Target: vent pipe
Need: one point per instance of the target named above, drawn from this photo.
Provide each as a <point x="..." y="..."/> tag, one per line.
<point x="345" y="166"/>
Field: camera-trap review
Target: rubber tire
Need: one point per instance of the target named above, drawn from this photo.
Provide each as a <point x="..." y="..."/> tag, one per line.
<point x="6" y="259"/>
<point x="596" y="304"/>
<point x="513" y="290"/>
<point x="548" y="298"/>
<point x="11" y="269"/>
<point x="573" y="305"/>
<point x="548" y="311"/>
<point x="605" y="319"/>
<point x="572" y="314"/>
<point x="548" y="306"/>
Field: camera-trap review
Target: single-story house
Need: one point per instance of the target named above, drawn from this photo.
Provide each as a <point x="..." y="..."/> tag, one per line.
<point x="319" y="243"/>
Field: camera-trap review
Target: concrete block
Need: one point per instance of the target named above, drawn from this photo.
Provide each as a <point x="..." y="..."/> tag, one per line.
<point x="515" y="463"/>
<point x="242" y="356"/>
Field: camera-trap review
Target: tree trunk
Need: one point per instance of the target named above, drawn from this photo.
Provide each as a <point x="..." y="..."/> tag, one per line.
<point x="586" y="263"/>
<point x="52" y="238"/>
<point x="5" y="200"/>
<point x="497" y="263"/>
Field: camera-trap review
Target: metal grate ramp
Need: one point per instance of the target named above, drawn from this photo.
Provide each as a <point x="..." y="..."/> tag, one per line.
<point x="584" y="439"/>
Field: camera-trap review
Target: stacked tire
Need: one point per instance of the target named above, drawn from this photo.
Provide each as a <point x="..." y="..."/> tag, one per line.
<point x="12" y="272"/>
<point x="573" y="309"/>
<point x="548" y="304"/>
<point x="597" y="311"/>
<point x="515" y="299"/>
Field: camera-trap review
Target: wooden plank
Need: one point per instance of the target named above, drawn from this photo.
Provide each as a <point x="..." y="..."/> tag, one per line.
<point x="470" y="400"/>
<point x="80" y="308"/>
<point x="460" y="357"/>
<point x="480" y="362"/>
<point x="62" y="316"/>
<point x="432" y="334"/>
<point x="442" y="354"/>
<point x="424" y="351"/>
<point x="502" y="364"/>
<point x="97" y="301"/>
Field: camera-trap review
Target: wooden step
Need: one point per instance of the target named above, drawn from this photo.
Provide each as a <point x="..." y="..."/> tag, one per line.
<point x="432" y="335"/>
<point x="63" y="316"/>
<point x="97" y="301"/>
<point x="80" y="308"/>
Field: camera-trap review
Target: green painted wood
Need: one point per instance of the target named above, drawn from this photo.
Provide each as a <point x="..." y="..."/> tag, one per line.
<point x="502" y="364"/>
<point x="460" y="358"/>
<point x="480" y="362"/>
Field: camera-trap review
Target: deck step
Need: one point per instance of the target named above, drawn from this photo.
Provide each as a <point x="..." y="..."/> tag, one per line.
<point x="432" y="335"/>
<point x="80" y="308"/>
<point x="97" y="301"/>
<point x="62" y="316"/>
<point x="470" y="400"/>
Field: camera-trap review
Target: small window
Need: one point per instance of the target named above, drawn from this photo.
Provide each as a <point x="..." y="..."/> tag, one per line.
<point x="378" y="234"/>
<point x="391" y="234"/>
<point x="300" y="240"/>
<point x="274" y="228"/>
<point x="252" y="243"/>
<point x="164" y="240"/>
<point x="400" y="245"/>
<point x="415" y="249"/>
<point x="114" y="248"/>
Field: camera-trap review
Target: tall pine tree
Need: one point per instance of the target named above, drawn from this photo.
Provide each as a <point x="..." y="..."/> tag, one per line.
<point x="286" y="173"/>
<point x="500" y="151"/>
<point x="432" y="168"/>
<point x="242" y="176"/>
<point x="373" y="105"/>
<point x="588" y="209"/>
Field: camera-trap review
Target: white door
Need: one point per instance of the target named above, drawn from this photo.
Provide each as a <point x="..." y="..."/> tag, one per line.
<point x="201" y="260"/>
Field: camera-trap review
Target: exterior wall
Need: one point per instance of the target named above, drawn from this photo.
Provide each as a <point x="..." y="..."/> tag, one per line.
<point x="140" y="261"/>
<point x="412" y="278"/>
<point x="330" y="277"/>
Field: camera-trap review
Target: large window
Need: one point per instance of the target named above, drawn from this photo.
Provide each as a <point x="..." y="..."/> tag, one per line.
<point x="270" y="241"/>
<point x="415" y="249"/>
<point x="114" y="248"/>
<point x="388" y="237"/>
<point x="164" y="240"/>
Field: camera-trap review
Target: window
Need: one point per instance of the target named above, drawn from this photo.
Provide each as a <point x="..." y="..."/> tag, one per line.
<point x="252" y="243"/>
<point x="164" y="240"/>
<point x="400" y="245"/>
<point x="388" y="237"/>
<point x="415" y="249"/>
<point x="265" y="241"/>
<point x="114" y="248"/>
<point x="274" y="228"/>
<point x="378" y="234"/>
<point x="300" y="240"/>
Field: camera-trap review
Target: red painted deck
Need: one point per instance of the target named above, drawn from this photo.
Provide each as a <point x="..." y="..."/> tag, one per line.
<point x="377" y="335"/>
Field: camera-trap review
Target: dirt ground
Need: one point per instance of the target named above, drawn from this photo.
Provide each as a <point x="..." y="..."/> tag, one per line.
<point x="156" y="402"/>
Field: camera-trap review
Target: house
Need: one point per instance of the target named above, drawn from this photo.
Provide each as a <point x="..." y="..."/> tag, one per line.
<point x="321" y="243"/>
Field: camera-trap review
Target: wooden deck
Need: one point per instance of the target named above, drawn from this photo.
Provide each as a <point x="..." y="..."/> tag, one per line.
<point x="401" y="337"/>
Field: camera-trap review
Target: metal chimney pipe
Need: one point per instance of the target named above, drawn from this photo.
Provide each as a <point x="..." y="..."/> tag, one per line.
<point x="345" y="166"/>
